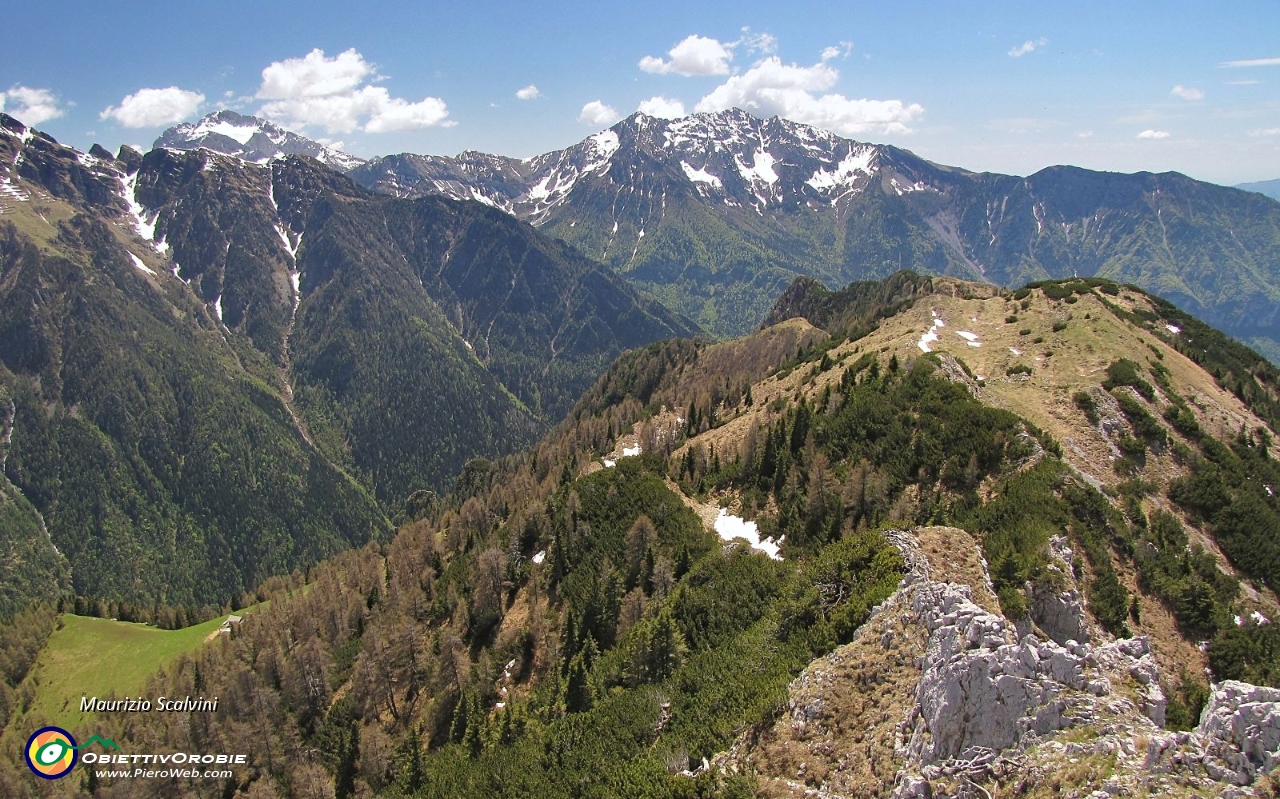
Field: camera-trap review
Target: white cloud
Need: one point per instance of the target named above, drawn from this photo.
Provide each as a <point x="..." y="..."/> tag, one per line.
<point x="841" y="50"/>
<point x="762" y="43"/>
<point x="788" y="90"/>
<point x="1153" y="134"/>
<point x="1028" y="46"/>
<point x="696" y="55"/>
<point x="335" y="94"/>
<point x="1265" y="132"/>
<point x="30" y="106"/>
<point x="663" y="107"/>
<point x="314" y="75"/>
<point x="1243" y="82"/>
<point x="1187" y="92"/>
<point x="597" y="113"/>
<point x="529" y="92"/>
<point x="1085" y="134"/>
<point x="1252" y="62"/>
<point x="149" y="108"/>
<point x="394" y="114"/>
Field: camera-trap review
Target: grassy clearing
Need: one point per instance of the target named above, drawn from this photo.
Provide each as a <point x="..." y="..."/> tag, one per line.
<point x="97" y="657"/>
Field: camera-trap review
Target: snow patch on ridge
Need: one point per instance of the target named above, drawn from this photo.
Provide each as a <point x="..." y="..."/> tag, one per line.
<point x="700" y="175"/>
<point x="240" y="133"/>
<point x="761" y="168"/>
<point x="730" y="528"/>
<point x="139" y="264"/>
<point x="146" y="227"/>
<point x="931" y="335"/>
<point x="858" y="160"/>
<point x="606" y="143"/>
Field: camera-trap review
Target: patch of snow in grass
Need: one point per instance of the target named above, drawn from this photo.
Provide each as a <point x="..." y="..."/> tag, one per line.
<point x="541" y="556"/>
<point x="608" y="464"/>
<point x="1015" y="350"/>
<point x="733" y="527"/>
<point x="1258" y="618"/>
<point x="631" y="452"/>
<point x="1174" y="329"/>
<point x="138" y="263"/>
<point x="931" y="335"/>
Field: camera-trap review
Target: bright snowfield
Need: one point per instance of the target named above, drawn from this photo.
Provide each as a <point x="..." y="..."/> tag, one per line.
<point x="139" y="264"/>
<point x="627" y="451"/>
<point x="931" y="335"/>
<point x="730" y="528"/>
<point x="239" y="133"/>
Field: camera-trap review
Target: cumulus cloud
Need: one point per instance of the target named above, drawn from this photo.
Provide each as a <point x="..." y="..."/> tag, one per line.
<point x="597" y="113"/>
<point x="1265" y="132"/>
<point x="788" y="90"/>
<point x="1252" y="62"/>
<point x="663" y="107"/>
<point x="1028" y="46"/>
<point x="695" y="55"/>
<point x="529" y="92"/>
<point x="335" y="93"/>
<point x="1153" y="134"/>
<point x="841" y="50"/>
<point x="763" y="43"/>
<point x="1187" y="92"/>
<point x="30" y="106"/>
<point x="314" y="75"/>
<point x="149" y="108"/>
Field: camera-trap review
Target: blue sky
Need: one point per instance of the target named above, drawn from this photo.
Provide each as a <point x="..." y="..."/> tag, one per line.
<point x="1008" y="87"/>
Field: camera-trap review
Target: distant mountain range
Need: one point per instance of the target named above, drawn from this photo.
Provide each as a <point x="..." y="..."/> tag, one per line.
<point x="1271" y="188"/>
<point x="213" y="370"/>
<point x="716" y="213"/>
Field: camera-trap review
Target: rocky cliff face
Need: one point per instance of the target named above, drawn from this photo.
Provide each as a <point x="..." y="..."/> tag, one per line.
<point x="939" y="696"/>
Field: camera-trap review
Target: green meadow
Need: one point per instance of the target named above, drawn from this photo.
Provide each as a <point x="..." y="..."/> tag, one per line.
<point x="91" y="657"/>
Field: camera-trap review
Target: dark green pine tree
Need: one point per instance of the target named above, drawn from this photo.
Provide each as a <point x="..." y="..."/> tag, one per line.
<point x="577" y="695"/>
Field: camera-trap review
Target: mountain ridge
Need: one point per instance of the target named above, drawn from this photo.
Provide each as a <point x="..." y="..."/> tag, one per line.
<point x="820" y="560"/>
<point x="293" y="307"/>
<point x="731" y="208"/>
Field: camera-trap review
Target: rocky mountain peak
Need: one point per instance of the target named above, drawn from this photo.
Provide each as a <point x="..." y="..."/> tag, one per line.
<point x="251" y="139"/>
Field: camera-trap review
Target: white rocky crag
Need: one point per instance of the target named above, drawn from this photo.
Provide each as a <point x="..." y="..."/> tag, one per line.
<point x="939" y="695"/>
<point x="1057" y="606"/>
<point x="986" y="705"/>
<point x="983" y="697"/>
<point x="1238" y="737"/>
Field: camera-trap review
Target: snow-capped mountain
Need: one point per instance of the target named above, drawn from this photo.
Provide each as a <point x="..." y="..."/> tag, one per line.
<point x="716" y="214"/>
<point x="730" y="158"/>
<point x="251" y="139"/>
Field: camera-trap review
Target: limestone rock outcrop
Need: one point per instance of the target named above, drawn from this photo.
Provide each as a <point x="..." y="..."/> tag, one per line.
<point x="976" y="705"/>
